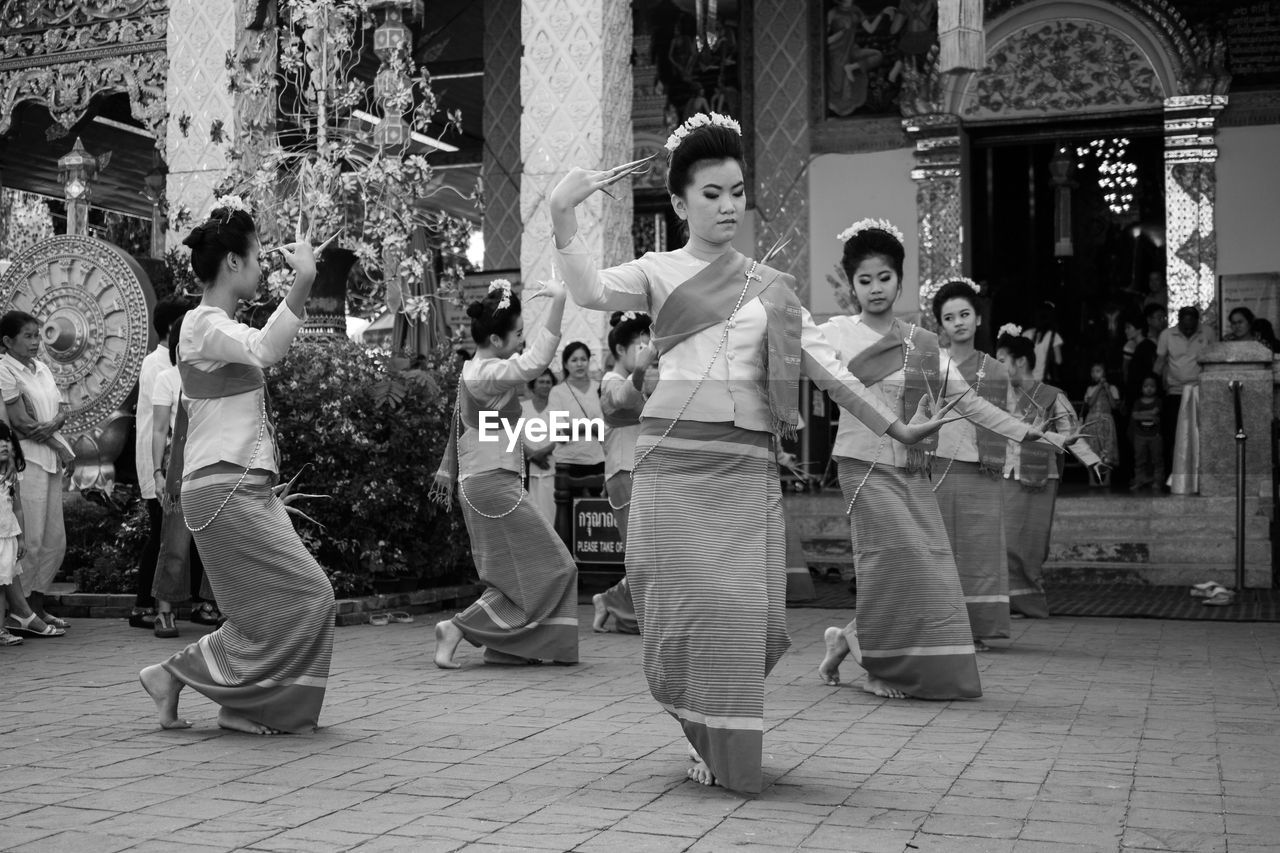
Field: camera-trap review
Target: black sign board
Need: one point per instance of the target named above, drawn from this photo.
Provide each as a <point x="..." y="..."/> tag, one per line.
<point x="595" y="532"/>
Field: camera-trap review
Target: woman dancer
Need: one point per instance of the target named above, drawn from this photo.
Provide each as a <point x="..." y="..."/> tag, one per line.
<point x="268" y="664"/>
<point x="529" y="612"/>
<point x="540" y="454"/>
<point x="622" y="398"/>
<point x="1032" y="472"/>
<point x="911" y="632"/>
<point x="969" y="464"/>
<point x="705" y="541"/>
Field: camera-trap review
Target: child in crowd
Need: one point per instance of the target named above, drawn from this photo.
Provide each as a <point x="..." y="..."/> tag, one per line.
<point x="12" y="547"/>
<point x="1101" y="401"/>
<point x="1144" y="427"/>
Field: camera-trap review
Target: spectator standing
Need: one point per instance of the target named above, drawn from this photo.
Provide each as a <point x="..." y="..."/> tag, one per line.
<point x="1047" y="344"/>
<point x="1178" y="352"/>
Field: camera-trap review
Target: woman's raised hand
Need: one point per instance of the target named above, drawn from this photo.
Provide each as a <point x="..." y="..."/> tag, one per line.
<point x="644" y="355"/>
<point x="926" y="423"/>
<point x="552" y="288"/>
<point x="579" y="184"/>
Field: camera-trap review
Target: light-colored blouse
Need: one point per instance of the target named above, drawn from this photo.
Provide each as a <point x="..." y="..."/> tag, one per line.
<point x="734" y="389"/>
<point x="41" y="389"/>
<point x="226" y="429"/>
<point x="577" y="404"/>
<point x="850" y="336"/>
<point x="155" y="363"/>
<point x="495" y="382"/>
<point x="619" y="392"/>
<point x="166" y="391"/>
<point x="1062" y="420"/>
<point x="958" y="440"/>
<point x="532" y="415"/>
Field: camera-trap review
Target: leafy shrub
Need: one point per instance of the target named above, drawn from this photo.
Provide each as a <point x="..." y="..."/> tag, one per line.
<point x="104" y="540"/>
<point x="371" y="439"/>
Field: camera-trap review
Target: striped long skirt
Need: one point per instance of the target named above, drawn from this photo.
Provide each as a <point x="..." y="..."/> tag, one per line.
<point x="269" y="662"/>
<point x="617" y="599"/>
<point x="706" y="556"/>
<point x="529" y="611"/>
<point x="1028" y="521"/>
<point x="912" y="623"/>
<point x="972" y="507"/>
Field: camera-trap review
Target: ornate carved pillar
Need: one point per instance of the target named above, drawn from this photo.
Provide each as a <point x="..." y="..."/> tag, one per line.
<point x="204" y="116"/>
<point x="781" y="127"/>
<point x="77" y="169"/>
<point x="1190" y="155"/>
<point x="500" y="170"/>
<point x="939" y="208"/>
<point x="575" y="88"/>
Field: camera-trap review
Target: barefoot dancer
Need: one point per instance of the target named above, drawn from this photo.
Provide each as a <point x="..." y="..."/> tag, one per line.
<point x="1032" y="472"/>
<point x="622" y="399"/>
<point x="911" y="622"/>
<point x="268" y="664"/>
<point x="529" y="613"/>
<point x="968" y="469"/>
<point x="706" y="547"/>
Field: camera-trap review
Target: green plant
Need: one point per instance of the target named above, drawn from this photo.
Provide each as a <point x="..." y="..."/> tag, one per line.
<point x="372" y="440"/>
<point x="103" y="542"/>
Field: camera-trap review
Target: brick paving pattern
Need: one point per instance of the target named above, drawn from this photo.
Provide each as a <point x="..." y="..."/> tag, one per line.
<point x="1093" y="735"/>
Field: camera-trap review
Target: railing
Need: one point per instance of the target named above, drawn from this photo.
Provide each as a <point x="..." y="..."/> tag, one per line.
<point x="1237" y="387"/>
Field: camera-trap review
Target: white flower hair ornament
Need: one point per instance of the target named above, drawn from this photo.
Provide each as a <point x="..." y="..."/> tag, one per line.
<point x="1013" y="330"/>
<point x="977" y="288"/>
<point x="501" y="284"/>
<point x="868" y="225"/>
<point x="700" y="120"/>
<point x="231" y="204"/>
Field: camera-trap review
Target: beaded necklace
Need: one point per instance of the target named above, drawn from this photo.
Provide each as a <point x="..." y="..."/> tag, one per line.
<point x="262" y="428"/>
<point x="977" y="389"/>
<point x="457" y="413"/>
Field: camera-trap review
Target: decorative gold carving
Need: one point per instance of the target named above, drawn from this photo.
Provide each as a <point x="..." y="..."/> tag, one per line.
<point x="27" y="14"/>
<point x="94" y="302"/>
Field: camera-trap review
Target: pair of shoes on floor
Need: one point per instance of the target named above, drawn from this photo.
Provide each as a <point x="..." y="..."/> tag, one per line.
<point x="143" y="617"/>
<point x="394" y="616"/>
<point x="1214" y="594"/>
<point x="166" y="628"/>
<point x="31" y="626"/>
<point x="7" y="639"/>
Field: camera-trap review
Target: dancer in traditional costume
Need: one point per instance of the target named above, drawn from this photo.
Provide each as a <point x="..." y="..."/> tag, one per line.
<point x="705" y="541"/>
<point x="529" y="611"/>
<point x="1032" y="472"/>
<point x="268" y="665"/>
<point x="622" y="399"/>
<point x="911" y="632"/>
<point x="968" y="467"/>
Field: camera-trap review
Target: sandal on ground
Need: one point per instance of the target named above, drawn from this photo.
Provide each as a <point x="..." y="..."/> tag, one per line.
<point x="50" y="619"/>
<point x="1220" y="598"/>
<point x="7" y="639"/>
<point x="18" y="625"/>
<point x="379" y="619"/>
<point x="1206" y="589"/>
<point x="143" y="617"/>
<point x="399" y="616"/>
<point x="206" y="614"/>
<point x="166" y="627"/>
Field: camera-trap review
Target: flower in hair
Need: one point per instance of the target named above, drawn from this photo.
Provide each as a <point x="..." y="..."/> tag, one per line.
<point x="231" y="203"/>
<point x="700" y="120"/>
<point x="628" y="316"/>
<point x="1013" y="330"/>
<point x="501" y="284"/>
<point x="867" y="225"/>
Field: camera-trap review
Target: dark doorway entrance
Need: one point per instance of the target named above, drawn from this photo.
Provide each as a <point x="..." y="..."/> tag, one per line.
<point x="1108" y="262"/>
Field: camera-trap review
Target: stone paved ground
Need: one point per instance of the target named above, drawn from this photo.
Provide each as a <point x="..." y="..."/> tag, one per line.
<point x="1094" y="735"/>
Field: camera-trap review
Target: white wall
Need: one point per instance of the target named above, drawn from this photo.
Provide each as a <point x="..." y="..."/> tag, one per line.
<point x="1248" y="204"/>
<point x="844" y="188"/>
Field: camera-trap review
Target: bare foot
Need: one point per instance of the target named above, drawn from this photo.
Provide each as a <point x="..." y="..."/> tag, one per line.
<point x="237" y="723"/>
<point x="448" y="635"/>
<point x="837" y="651"/>
<point x="879" y="688"/>
<point x="163" y="689"/>
<point x="601" y="614"/>
<point x="699" y="772"/>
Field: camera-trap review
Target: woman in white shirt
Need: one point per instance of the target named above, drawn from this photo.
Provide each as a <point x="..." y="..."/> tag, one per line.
<point x="1047" y="344"/>
<point x="268" y="665"/>
<point x="540" y="454"/>
<point x="529" y="609"/>
<point x="578" y="396"/>
<point x="706" y="548"/>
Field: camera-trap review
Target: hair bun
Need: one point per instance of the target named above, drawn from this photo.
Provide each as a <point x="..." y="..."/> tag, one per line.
<point x="615" y="318"/>
<point x="195" y="238"/>
<point x="475" y="310"/>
